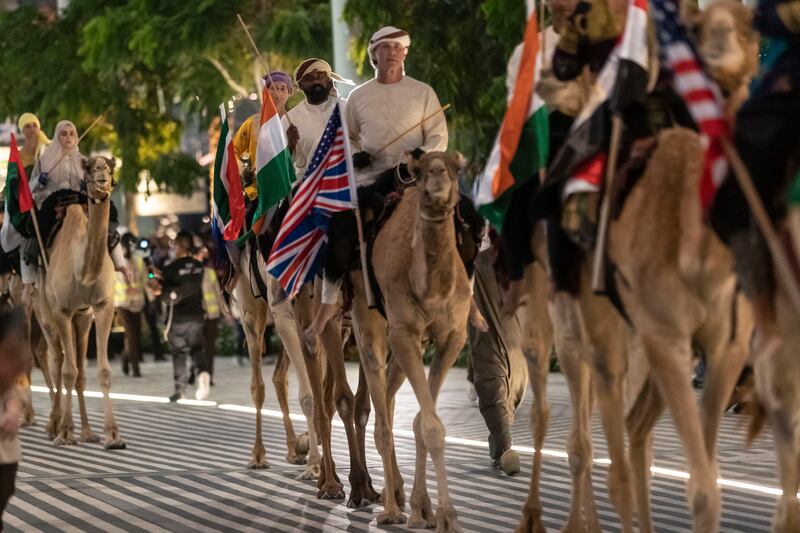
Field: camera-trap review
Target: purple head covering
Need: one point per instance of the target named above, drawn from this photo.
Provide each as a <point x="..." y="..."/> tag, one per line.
<point x="278" y="76"/>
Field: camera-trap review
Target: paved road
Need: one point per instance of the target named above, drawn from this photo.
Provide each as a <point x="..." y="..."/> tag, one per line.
<point x="184" y="469"/>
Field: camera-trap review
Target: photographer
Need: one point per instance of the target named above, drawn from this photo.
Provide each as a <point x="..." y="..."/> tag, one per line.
<point x="181" y="288"/>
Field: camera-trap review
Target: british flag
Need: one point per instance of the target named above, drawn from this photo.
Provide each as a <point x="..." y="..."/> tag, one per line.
<point x="327" y="188"/>
<point x="698" y="91"/>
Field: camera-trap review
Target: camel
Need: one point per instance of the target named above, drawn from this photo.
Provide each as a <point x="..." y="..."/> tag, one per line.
<point x="427" y="294"/>
<point x="254" y="321"/>
<point x="80" y="283"/>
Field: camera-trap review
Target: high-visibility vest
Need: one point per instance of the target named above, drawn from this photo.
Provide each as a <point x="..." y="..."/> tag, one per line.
<point x="130" y="296"/>
<point x="210" y="293"/>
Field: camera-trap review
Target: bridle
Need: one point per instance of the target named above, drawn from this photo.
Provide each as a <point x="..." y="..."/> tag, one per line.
<point x="105" y="195"/>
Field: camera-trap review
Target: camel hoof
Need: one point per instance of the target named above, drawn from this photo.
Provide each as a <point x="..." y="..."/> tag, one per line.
<point x="312" y="471"/>
<point x="395" y="516"/>
<point x="89" y="437"/>
<point x="301" y="447"/>
<point x="416" y="521"/>
<point x="65" y="441"/>
<point x="258" y="464"/>
<point x="295" y="459"/>
<point x="447" y="520"/>
<point x="531" y="522"/>
<point x="335" y="492"/>
<point x="29" y="421"/>
<point x="509" y="462"/>
<point x="115" y="444"/>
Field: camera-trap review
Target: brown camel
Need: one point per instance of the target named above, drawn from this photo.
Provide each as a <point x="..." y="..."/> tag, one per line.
<point x="81" y="282"/>
<point x="254" y="322"/>
<point x="427" y="294"/>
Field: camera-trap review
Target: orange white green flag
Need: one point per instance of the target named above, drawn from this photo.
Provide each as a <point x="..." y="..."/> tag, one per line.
<point x="522" y="144"/>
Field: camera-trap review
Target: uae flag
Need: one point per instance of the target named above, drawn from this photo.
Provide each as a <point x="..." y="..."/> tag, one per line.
<point x="621" y="83"/>
<point x="521" y="147"/>
<point x="274" y="169"/>
<point x="17" y="194"/>
<point x="227" y="198"/>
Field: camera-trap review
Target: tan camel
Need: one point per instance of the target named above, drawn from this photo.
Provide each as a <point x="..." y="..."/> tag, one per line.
<point x="324" y="360"/>
<point x="79" y="282"/>
<point x="427" y="294"/>
<point x="254" y="322"/>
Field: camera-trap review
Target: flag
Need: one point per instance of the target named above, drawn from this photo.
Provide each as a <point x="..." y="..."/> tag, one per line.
<point x="274" y="169"/>
<point x="17" y="194"/>
<point x="227" y="200"/>
<point x="522" y="145"/>
<point x="698" y="91"/>
<point x="631" y="84"/>
<point x="328" y="187"/>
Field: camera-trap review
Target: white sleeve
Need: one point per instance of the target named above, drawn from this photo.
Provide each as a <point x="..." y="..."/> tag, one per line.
<point x="434" y="130"/>
<point x="351" y="117"/>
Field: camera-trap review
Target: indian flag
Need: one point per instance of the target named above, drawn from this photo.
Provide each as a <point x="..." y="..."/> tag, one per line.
<point x="522" y="145"/>
<point x="227" y="197"/>
<point x="274" y="169"/>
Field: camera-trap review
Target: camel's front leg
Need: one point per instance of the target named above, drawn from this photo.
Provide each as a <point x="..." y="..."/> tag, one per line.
<point x="69" y="372"/>
<point x="103" y="317"/>
<point x="640" y="422"/>
<point x="406" y="343"/>
<point x="280" y="380"/>
<point x="287" y="331"/>
<point x="370" y="331"/>
<point x="254" y="323"/>
<point x="83" y="323"/>
<point x="361" y="491"/>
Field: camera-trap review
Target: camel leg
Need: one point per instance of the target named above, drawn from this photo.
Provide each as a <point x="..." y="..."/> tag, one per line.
<point x="328" y="484"/>
<point x="254" y="316"/>
<point x="395" y="377"/>
<point x="83" y="323"/>
<point x="361" y="491"/>
<point x="362" y="411"/>
<point x="57" y="377"/>
<point x="287" y="331"/>
<point x="429" y="431"/>
<point x="669" y="356"/>
<point x="280" y="380"/>
<point x="103" y="316"/>
<point x="370" y="330"/>
<point x="69" y="373"/>
<point x="29" y="414"/>
<point x="640" y="422"/>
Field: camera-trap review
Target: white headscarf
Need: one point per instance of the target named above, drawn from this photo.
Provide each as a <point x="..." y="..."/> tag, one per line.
<point x="388" y="34"/>
<point x="63" y="168"/>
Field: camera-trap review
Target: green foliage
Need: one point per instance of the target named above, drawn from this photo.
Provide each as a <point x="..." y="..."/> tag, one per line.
<point x="460" y="47"/>
<point x="145" y="65"/>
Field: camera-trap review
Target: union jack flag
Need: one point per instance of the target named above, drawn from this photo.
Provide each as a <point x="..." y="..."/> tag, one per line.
<point x="327" y="188"/>
<point x="698" y="91"/>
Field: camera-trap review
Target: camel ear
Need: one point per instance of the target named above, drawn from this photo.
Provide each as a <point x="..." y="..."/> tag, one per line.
<point x="111" y="162"/>
<point x="460" y="160"/>
<point x="411" y="163"/>
<point x="691" y="15"/>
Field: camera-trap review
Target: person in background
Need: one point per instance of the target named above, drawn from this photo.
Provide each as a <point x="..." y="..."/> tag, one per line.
<point x="15" y="361"/>
<point x="180" y="285"/>
<point x="129" y="303"/>
<point x="212" y="299"/>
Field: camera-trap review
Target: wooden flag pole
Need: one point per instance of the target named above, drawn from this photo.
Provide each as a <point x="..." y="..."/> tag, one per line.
<point x="782" y="266"/>
<point x="362" y="245"/>
<point x="255" y="47"/>
<point x="598" y="262"/>
<point x="412" y="128"/>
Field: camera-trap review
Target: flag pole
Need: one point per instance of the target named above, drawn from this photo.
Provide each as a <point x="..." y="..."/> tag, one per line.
<point x="362" y="245"/>
<point x="35" y="221"/>
<point x="543" y="52"/>
<point x="782" y="265"/>
<point x="598" y="261"/>
<point x="418" y="124"/>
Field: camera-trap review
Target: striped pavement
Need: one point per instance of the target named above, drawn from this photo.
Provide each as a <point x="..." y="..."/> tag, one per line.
<point x="184" y="469"/>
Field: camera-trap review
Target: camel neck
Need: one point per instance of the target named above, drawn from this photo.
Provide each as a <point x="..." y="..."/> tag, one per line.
<point x="434" y="255"/>
<point x="96" y="240"/>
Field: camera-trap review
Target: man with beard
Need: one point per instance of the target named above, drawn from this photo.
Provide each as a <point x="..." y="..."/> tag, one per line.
<point x="306" y="122"/>
<point x="377" y="112"/>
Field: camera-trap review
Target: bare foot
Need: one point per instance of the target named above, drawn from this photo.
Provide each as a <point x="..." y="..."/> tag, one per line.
<point x="476" y="317"/>
<point x="324" y="314"/>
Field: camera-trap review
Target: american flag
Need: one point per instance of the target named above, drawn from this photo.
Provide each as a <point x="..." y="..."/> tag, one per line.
<point x="698" y="91"/>
<point x="327" y="188"/>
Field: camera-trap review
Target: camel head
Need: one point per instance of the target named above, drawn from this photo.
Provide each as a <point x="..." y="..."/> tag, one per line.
<point x="436" y="174"/>
<point x="727" y="43"/>
<point x="99" y="177"/>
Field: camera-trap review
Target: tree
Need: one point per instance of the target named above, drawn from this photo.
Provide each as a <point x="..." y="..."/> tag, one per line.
<point x="460" y="47"/>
